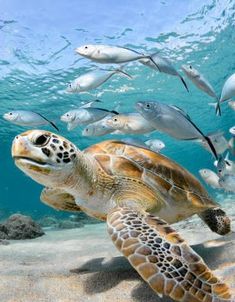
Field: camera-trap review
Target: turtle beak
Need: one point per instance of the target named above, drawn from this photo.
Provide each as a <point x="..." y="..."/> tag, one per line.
<point x="20" y="147"/>
<point x="24" y="153"/>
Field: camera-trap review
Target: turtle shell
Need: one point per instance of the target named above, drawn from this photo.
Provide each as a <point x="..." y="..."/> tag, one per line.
<point x="118" y="158"/>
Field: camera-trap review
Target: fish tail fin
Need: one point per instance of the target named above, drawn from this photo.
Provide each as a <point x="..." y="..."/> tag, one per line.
<point x="120" y="70"/>
<point x="184" y="83"/>
<point x="54" y="125"/>
<point x="211" y="146"/>
<point x="218" y="108"/>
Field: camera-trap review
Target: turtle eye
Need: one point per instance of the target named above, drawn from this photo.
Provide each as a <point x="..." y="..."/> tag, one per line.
<point x="10" y="113"/>
<point x="148" y="106"/>
<point x="190" y="66"/>
<point x="41" y="140"/>
<point x="86" y="47"/>
<point x="115" y="119"/>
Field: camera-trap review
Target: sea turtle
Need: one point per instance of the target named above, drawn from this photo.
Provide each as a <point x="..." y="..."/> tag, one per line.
<point x="138" y="193"/>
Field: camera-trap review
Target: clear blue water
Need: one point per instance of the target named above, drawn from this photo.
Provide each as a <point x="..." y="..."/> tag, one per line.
<point x="37" y="60"/>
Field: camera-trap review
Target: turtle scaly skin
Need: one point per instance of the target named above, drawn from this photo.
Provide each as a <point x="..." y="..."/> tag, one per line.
<point x="139" y="193"/>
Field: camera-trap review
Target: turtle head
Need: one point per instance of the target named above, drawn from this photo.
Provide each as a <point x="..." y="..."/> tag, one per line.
<point x="44" y="156"/>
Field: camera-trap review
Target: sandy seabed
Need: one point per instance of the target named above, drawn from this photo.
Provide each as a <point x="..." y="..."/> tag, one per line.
<point x="83" y="265"/>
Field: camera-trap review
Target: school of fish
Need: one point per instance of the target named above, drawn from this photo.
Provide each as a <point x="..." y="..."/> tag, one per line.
<point x="148" y="116"/>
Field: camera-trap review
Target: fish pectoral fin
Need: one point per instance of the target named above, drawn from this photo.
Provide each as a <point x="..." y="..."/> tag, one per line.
<point x="162" y="258"/>
<point x="184" y="83"/>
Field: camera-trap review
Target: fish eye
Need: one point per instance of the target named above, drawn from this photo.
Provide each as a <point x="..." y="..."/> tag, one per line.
<point x="190" y="66"/>
<point x="10" y="113"/>
<point x="86" y="47"/>
<point x="67" y="114"/>
<point x="115" y="119"/>
<point x="41" y="140"/>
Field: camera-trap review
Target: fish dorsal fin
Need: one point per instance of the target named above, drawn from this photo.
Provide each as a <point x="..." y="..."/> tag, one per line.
<point x="181" y="111"/>
<point x="226" y="156"/>
<point x="127" y="48"/>
<point x="104" y="110"/>
<point x="89" y="104"/>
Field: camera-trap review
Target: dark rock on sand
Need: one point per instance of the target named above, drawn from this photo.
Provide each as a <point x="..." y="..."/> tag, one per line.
<point x="18" y="226"/>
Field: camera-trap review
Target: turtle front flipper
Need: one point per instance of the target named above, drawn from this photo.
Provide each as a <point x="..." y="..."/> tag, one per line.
<point x="59" y="200"/>
<point x="162" y="258"/>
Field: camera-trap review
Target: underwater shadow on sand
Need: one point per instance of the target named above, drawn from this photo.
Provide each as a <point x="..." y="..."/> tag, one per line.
<point x="106" y="274"/>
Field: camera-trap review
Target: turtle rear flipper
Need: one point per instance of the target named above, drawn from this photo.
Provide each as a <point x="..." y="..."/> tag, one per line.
<point x="162" y="257"/>
<point x="59" y="200"/>
<point x="217" y="220"/>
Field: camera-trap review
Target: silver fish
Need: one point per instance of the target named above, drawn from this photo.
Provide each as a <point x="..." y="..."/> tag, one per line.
<point x="84" y="116"/>
<point x="109" y="54"/>
<point x="210" y="177"/>
<point x="164" y="65"/>
<point x="93" y="79"/>
<point x="232" y="130"/>
<point x="225" y="166"/>
<point x="227" y="182"/>
<point x="231" y="144"/>
<point x="173" y="121"/>
<point x="98" y="128"/>
<point x="228" y="91"/>
<point x="155" y="145"/>
<point x="27" y="118"/>
<point x="199" y="80"/>
<point x="231" y="104"/>
<point x="130" y="123"/>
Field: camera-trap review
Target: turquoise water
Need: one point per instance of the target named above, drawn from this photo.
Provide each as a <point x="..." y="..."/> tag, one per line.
<point x="37" y="60"/>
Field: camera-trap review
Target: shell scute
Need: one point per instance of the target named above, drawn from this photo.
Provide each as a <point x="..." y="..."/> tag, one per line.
<point x="152" y="168"/>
